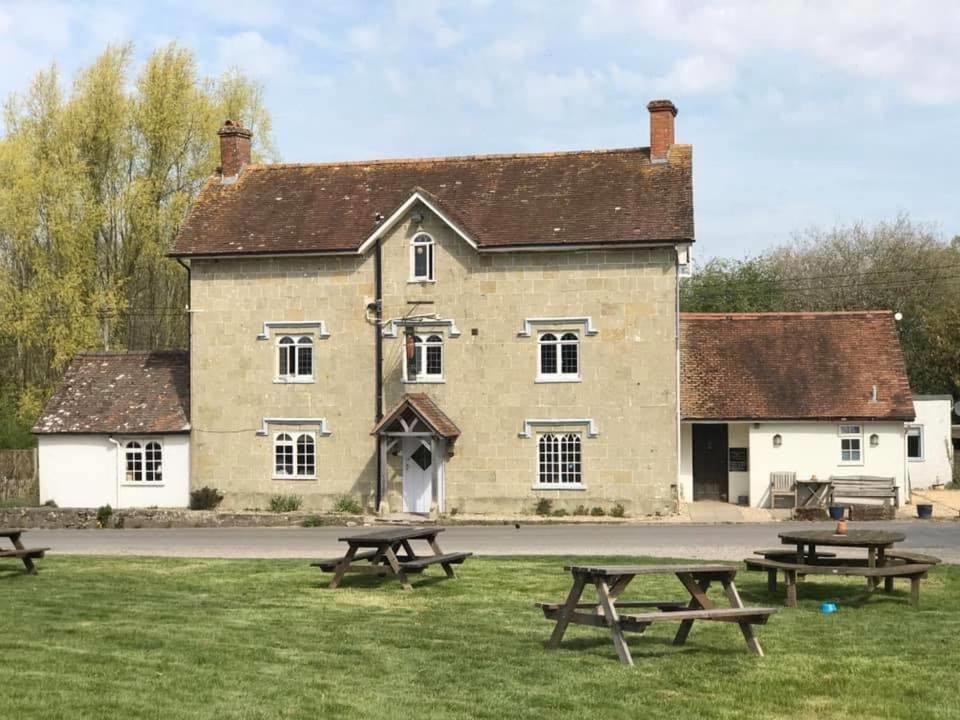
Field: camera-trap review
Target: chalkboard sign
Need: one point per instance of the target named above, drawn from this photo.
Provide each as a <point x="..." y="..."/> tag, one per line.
<point x="737" y="460"/>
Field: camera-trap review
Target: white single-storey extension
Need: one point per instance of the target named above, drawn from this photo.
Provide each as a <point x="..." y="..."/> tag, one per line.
<point x="117" y="432"/>
<point x="929" y="442"/>
<point x="819" y="395"/>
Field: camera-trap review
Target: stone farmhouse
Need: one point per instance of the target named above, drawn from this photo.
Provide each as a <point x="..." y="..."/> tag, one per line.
<point x="468" y="334"/>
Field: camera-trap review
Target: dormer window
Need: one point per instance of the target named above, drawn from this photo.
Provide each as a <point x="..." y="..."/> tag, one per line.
<point x="421" y="258"/>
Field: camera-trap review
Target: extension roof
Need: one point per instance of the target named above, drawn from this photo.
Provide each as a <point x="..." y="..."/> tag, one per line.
<point x="608" y="197"/>
<point x="125" y="393"/>
<point x="792" y="366"/>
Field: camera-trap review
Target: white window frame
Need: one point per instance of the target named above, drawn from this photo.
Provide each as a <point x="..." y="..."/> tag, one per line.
<point x="297" y="342"/>
<point x="292" y="438"/>
<point x="137" y="448"/>
<point x="848" y="435"/>
<point x="557" y="340"/>
<point x="423" y="341"/>
<point x="919" y="430"/>
<point x="429" y="246"/>
<point x="560" y="436"/>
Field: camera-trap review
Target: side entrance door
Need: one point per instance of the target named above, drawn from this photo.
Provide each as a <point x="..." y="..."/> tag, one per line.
<point x="710" y="481"/>
<point x="417" y="475"/>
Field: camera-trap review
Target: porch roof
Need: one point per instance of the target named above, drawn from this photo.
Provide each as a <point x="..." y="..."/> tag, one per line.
<point x="793" y="366"/>
<point x="426" y="410"/>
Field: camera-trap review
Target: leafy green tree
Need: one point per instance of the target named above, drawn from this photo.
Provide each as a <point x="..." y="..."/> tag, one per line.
<point x="750" y="285"/>
<point x="94" y="184"/>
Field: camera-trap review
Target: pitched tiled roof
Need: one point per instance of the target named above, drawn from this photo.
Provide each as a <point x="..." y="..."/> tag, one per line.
<point x="426" y="409"/>
<point x="500" y="201"/>
<point x="746" y="366"/>
<point x="129" y="393"/>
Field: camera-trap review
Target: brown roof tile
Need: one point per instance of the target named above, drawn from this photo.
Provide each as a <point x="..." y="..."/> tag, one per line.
<point x="792" y="366"/>
<point x="426" y="409"/>
<point x="501" y="201"/>
<point x="128" y="393"/>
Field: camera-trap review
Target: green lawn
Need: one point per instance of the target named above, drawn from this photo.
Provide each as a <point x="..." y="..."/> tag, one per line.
<point x="183" y="639"/>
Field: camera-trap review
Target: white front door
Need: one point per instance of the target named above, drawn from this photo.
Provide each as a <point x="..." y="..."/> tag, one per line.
<point x="417" y="475"/>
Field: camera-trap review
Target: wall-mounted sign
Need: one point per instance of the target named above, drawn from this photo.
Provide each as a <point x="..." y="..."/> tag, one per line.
<point x="738" y="460"/>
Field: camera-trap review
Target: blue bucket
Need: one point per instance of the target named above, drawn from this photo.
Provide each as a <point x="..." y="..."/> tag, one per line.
<point x="828" y="607"/>
<point x="836" y="512"/>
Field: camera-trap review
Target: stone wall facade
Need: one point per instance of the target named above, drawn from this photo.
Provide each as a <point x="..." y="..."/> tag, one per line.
<point x="627" y="386"/>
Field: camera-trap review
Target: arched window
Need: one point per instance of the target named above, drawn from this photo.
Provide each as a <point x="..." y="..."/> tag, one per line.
<point x="295" y="357"/>
<point x="144" y="462"/>
<point x="421" y="257"/>
<point x="559" y="356"/>
<point x="426" y="365"/>
<point x="558" y="459"/>
<point x="295" y="455"/>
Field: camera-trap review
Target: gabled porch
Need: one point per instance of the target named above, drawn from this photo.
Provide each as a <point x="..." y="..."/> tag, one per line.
<point x="415" y="439"/>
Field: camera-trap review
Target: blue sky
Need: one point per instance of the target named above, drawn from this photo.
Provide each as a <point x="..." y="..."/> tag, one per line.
<point x="800" y="113"/>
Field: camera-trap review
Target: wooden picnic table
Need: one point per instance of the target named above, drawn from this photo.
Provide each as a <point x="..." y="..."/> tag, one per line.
<point x="27" y="555"/>
<point x="389" y="552"/>
<point x="881" y="561"/>
<point x="612" y="580"/>
<point x="876" y="542"/>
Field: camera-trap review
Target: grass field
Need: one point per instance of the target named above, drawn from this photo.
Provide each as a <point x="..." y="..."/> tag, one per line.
<point x="184" y="639"/>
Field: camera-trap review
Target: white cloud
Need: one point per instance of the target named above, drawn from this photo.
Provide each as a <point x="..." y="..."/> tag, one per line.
<point x="697" y="74"/>
<point x="908" y="43"/>
<point x="253" y="54"/>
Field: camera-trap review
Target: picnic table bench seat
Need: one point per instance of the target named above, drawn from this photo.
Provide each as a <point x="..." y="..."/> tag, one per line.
<point x="637" y="622"/>
<point x="911" y="571"/>
<point x="912" y="557"/>
<point x="789" y="552"/>
<point x="420" y="562"/>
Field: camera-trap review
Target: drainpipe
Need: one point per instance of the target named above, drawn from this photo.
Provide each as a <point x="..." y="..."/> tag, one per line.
<point x="378" y="345"/>
<point x="189" y="315"/>
<point x="116" y="473"/>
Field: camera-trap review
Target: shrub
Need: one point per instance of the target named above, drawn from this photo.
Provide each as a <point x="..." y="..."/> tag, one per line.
<point x="104" y="512"/>
<point x="597" y="512"/>
<point x="618" y="511"/>
<point x="559" y="512"/>
<point x="454" y="511"/>
<point x="14" y="503"/>
<point x="581" y="510"/>
<point x="347" y="504"/>
<point x="544" y="506"/>
<point x="206" y="498"/>
<point x="50" y="503"/>
<point x="285" y="503"/>
<point x="312" y="521"/>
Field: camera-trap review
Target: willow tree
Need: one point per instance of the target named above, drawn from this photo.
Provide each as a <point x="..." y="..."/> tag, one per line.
<point x="94" y="183"/>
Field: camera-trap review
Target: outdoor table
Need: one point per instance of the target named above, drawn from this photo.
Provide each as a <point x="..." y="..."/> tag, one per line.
<point x="381" y="550"/>
<point x="876" y="542"/>
<point x="813" y="493"/>
<point x="612" y="580"/>
<point x="27" y="555"/>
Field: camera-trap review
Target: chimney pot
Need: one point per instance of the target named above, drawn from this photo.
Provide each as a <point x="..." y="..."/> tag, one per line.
<point x="662" y="113"/>
<point x="234" y="148"/>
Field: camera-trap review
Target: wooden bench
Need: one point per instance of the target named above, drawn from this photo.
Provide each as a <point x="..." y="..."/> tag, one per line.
<point x="912" y="557"/>
<point x="421" y="562"/>
<point x="780" y="552"/>
<point x="670" y="613"/>
<point x="865" y="487"/>
<point x="330" y="564"/>
<point x="791" y="570"/>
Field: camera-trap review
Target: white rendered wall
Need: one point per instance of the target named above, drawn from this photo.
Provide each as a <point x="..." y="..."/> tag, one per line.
<point x="810" y="448"/>
<point x="933" y="415"/>
<point x="813" y="448"/>
<point x="83" y="471"/>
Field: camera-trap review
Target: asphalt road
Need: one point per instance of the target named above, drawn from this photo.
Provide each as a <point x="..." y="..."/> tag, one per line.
<point x="710" y="542"/>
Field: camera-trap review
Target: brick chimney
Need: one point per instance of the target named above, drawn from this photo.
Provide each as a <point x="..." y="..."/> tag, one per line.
<point x="234" y="148"/>
<point x="662" y="113"/>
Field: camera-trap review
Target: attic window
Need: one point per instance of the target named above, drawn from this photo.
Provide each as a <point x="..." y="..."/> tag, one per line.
<point x="421" y="258"/>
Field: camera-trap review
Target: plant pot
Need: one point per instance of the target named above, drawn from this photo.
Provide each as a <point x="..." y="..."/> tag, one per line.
<point x="924" y="511"/>
<point x="836" y="512"/>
